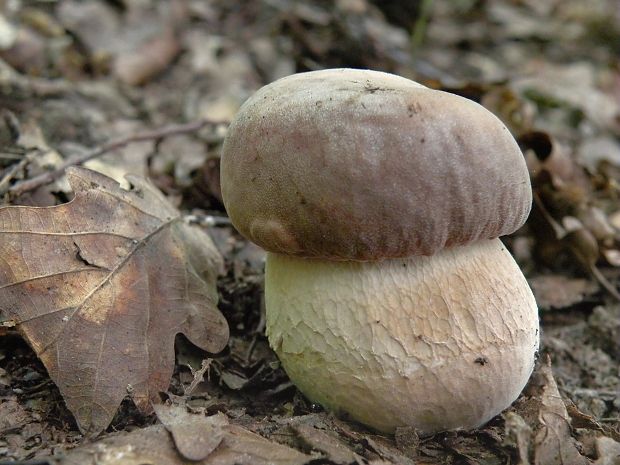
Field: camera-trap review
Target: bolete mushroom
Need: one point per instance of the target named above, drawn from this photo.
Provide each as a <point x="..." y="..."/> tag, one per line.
<point x="379" y="201"/>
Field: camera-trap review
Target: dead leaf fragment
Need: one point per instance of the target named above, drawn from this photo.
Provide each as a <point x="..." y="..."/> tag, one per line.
<point x="154" y="445"/>
<point x="553" y="443"/>
<point x="100" y="286"/>
<point x="12" y="415"/>
<point x="319" y="440"/>
<point x="558" y="291"/>
<point x="242" y="447"/>
<point x="194" y="436"/>
<point x="518" y="435"/>
<point x="608" y="451"/>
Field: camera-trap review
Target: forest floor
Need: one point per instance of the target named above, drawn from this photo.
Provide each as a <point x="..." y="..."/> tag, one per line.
<point x="75" y="75"/>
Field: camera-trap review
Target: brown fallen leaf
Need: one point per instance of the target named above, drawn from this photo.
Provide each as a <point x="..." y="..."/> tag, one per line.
<point x="154" y="445"/>
<point x="335" y="451"/>
<point x="194" y="438"/>
<point x="539" y="427"/>
<point x="383" y="449"/>
<point x="553" y="443"/>
<point x="100" y="286"/>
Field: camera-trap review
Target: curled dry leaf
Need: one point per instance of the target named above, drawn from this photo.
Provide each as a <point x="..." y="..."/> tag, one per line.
<point x="539" y="427"/>
<point x="100" y="286"/>
<point x="195" y="437"/>
<point x="553" y="443"/>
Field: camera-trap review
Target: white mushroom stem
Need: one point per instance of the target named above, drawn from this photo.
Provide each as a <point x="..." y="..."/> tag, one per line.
<point x="438" y="343"/>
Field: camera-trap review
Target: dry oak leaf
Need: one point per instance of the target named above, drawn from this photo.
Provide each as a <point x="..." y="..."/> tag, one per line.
<point x="553" y="443"/>
<point x="100" y="287"/>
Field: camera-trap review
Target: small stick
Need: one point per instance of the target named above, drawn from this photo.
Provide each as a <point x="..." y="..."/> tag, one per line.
<point x="166" y="131"/>
<point x="16" y="168"/>
<point x="199" y="375"/>
<point x="604" y="282"/>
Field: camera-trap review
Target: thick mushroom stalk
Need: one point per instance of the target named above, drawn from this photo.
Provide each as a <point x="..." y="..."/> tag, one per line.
<point x="438" y="343"/>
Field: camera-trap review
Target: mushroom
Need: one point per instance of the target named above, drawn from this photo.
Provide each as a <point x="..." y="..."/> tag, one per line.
<point x="389" y="297"/>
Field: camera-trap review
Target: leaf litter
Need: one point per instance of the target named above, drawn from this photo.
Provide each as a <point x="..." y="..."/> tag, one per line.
<point x="548" y="69"/>
<point x="100" y="286"/>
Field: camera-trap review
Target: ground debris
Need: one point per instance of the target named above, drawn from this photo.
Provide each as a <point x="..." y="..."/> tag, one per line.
<point x="553" y="443"/>
<point x="184" y="436"/>
<point x="608" y="451"/>
<point x="98" y="283"/>
<point x="333" y="449"/>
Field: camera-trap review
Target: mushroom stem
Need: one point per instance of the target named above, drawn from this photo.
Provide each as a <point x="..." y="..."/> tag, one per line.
<point x="438" y="342"/>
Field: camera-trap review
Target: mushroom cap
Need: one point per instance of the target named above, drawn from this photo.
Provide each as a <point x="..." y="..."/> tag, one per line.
<point x="458" y="351"/>
<point x="364" y="165"/>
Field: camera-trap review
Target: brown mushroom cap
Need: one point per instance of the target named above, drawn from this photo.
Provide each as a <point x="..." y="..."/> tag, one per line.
<point x="363" y="165"/>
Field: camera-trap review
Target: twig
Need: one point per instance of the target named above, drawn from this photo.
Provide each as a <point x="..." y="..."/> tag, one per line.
<point x="590" y="264"/>
<point x="199" y="375"/>
<point x="16" y="168"/>
<point x="602" y="280"/>
<point x="558" y="229"/>
<point x="166" y="131"/>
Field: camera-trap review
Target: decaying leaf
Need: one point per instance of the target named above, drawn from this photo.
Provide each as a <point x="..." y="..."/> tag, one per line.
<point x="336" y="451"/>
<point x="539" y="427"/>
<point x="558" y="291"/>
<point x="154" y="445"/>
<point x="519" y="436"/>
<point x="380" y="448"/>
<point x="194" y="438"/>
<point x="136" y="46"/>
<point x="12" y="415"/>
<point x="608" y="451"/>
<point x="101" y="285"/>
<point x="553" y="443"/>
<point x="138" y="66"/>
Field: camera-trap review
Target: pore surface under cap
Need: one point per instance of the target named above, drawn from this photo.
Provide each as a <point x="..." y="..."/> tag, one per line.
<point x="363" y="165"/>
